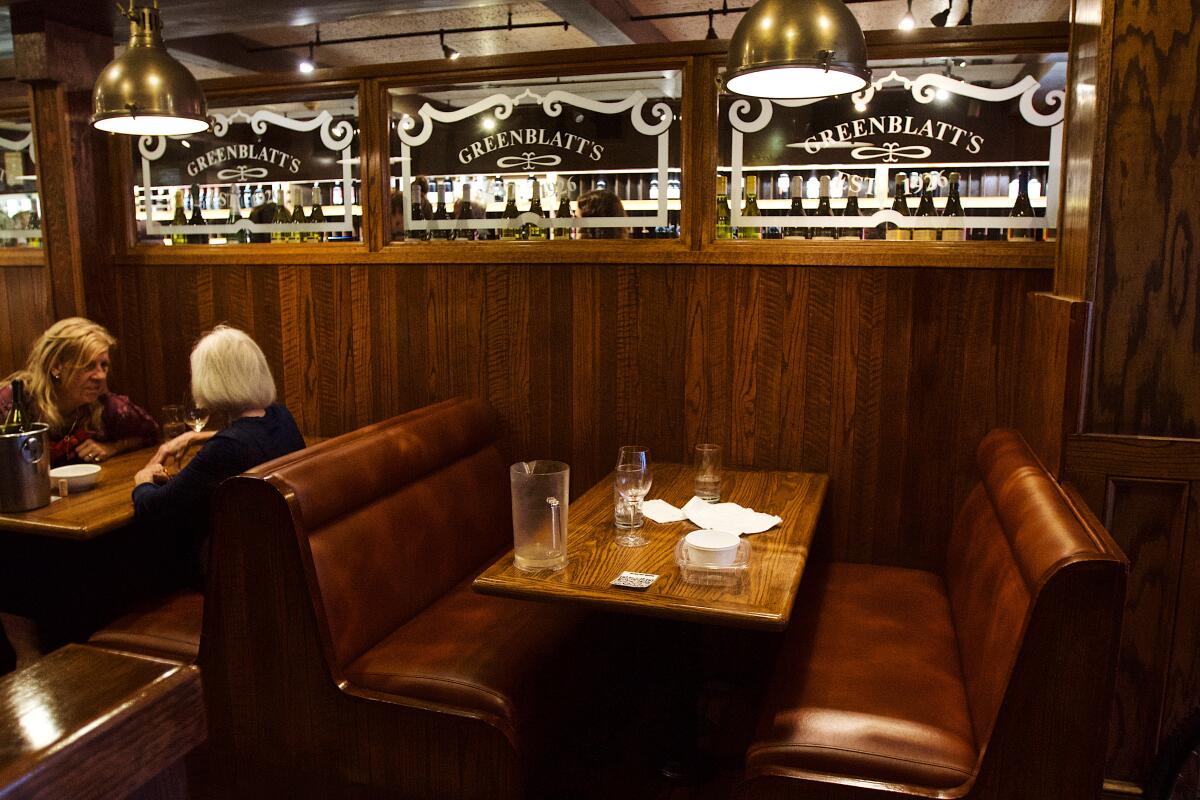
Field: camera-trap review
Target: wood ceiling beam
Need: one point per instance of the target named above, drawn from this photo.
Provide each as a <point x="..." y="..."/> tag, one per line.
<point x="605" y="22"/>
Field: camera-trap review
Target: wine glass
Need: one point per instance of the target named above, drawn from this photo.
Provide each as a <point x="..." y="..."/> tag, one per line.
<point x="634" y="477"/>
<point x="172" y="422"/>
<point x="196" y="418"/>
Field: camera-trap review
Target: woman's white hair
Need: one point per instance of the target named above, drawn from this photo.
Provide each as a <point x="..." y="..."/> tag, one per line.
<point x="230" y="372"/>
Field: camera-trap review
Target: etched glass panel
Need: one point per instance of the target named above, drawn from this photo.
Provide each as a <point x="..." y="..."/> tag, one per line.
<point x="958" y="138"/>
<point x="20" y="207"/>
<point x="266" y="172"/>
<point x="580" y="157"/>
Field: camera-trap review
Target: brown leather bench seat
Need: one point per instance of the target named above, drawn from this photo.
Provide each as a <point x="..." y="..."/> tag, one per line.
<point x="991" y="679"/>
<point x="344" y="649"/>
<point x="166" y="628"/>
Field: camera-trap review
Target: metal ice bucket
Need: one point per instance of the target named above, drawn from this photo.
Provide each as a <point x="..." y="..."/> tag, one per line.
<point x="25" y="469"/>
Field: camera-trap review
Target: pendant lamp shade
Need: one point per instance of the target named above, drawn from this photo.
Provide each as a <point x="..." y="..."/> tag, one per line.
<point x="797" y="49"/>
<point x="144" y="91"/>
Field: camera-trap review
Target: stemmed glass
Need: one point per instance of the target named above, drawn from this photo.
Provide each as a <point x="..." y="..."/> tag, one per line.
<point x="196" y="418"/>
<point x="633" y="479"/>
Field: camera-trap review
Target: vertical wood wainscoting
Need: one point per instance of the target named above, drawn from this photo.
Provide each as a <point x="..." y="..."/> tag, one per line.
<point x="24" y="312"/>
<point x="885" y="378"/>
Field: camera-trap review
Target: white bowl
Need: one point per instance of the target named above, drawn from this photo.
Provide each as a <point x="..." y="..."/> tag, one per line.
<point x="79" y="476"/>
<point x="718" y="548"/>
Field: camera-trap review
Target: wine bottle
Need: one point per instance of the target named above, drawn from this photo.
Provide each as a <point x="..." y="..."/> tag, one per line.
<point x="724" y="229"/>
<point x="180" y="219"/>
<point x="1022" y="209"/>
<point x="238" y="236"/>
<point x="751" y="210"/>
<point x="315" y="216"/>
<point x="562" y="227"/>
<point x="14" y="420"/>
<point x="464" y="211"/>
<point x="439" y="213"/>
<point x="853" y="229"/>
<point x="797" y="210"/>
<point x="900" y="206"/>
<point x="197" y="217"/>
<point x="418" y="213"/>
<point x="509" y="231"/>
<point x="925" y="208"/>
<point x="281" y="218"/>
<point x="824" y="209"/>
<point x="535" y="231"/>
<point x="953" y="209"/>
<point x="338" y="197"/>
<point x="298" y="217"/>
<point x="247" y="197"/>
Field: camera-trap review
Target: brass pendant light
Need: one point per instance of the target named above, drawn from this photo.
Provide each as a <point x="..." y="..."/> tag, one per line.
<point x="145" y="91"/>
<point x="797" y="49"/>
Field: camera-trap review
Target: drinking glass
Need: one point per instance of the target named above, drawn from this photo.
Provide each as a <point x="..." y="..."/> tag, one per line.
<point x="196" y="418"/>
<point x="633" y="479"/>
<point x="172" y="422"/>
<point x="707" y="483"/>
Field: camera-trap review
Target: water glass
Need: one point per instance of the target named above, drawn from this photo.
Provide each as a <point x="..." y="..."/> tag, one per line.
<point x="707" y="483"/>
<point x="172" y="422"/>
<point x="633" y="479"/>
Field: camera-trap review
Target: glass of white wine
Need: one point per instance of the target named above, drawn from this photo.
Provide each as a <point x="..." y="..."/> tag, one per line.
<point x="196" y="418"/>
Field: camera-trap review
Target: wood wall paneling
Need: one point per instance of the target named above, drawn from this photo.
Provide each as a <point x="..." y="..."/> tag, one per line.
<point x="886" y="379"/>
<point x="1146" y="367"/>
<point x="24" y="313"/>
<point x="1146" y="490"/>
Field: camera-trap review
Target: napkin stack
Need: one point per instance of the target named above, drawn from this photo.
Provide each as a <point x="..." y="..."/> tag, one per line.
<point x="718" y="516"/>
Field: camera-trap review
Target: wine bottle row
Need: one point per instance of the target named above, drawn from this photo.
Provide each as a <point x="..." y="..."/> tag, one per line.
<point x="270" y="207"/>
<point x="1021" y="208"/>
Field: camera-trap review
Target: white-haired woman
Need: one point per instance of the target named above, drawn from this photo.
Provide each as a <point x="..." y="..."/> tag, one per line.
<point x="229" y="374"/>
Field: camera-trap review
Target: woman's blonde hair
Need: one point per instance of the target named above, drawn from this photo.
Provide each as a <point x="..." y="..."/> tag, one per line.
<point x="65" y="348"/>
<point x="230" y="372"/>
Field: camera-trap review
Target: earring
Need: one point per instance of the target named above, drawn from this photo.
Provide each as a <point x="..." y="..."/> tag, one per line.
<point x="56" y="376"/>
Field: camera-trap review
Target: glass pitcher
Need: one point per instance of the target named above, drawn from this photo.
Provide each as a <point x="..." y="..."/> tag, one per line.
<point x="540" y="496"/>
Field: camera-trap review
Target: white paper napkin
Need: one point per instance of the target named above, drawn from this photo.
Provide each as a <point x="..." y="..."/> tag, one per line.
<point x="729" y="517"/>
<point x="661" y="511"/>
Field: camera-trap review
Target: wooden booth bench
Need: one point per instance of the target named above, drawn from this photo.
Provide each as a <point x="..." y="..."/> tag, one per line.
<point x="344" y="652"/>
<point x="990" y="680"/>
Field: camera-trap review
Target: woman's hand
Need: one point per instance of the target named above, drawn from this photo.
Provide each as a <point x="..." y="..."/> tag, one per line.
<point x="95" y="452"/>
<point x="151" y="473"/>
<point x="174" y="452"/>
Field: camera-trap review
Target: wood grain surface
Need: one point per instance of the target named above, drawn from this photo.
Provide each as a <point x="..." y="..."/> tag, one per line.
<point x="762" y="599"/>
<point x="88" y="723"/>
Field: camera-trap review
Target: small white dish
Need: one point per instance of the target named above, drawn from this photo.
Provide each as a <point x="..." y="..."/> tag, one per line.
<point x="712" y="548"/>
<point x="730" y="576"/>
<point x="79" y="477"/>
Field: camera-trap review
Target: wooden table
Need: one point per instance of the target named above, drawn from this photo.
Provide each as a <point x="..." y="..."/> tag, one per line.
<point x="87" y="722"/>
<point x="762" y="600"/>
<point x="88" y="514"/>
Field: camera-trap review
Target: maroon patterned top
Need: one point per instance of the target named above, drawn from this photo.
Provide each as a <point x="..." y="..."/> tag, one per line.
<point x="120" y="419"/>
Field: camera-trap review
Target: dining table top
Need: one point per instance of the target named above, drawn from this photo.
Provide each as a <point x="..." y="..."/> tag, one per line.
<point x="760" y="596"/>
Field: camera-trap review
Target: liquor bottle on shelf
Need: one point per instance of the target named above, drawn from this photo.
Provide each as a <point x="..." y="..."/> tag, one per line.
<point x="282" y="217"/>
<point x="724" y="229"/>
<point x="35" y="223"/>
<point x="315" y="216"/>
<point x="509" y="230"/>
<point x="535" y="231"/>
<point x="338" y="197"/>
<point x="197" y="218"/>
<point x="247" y="197"/>
<point x="238" y="236"/>
<point x="824" y="209"/>
<point x="418" y="213"/>
<point x="953" y="209"/>
<point x="464" y="211"/>
<point x="797" y="210"/>
<point x="853" y="229"/>
<point x="179" y="219"/>
<point x="298" y="217"/>
<point x="769" y="191"/>
<point x="900" y="206"/>
<point x="654" y="188"/>
<point x="439" y="213"/>
<point x="1022" y="209"/>
<point x="925" y="208"/>
<point x="673" y="188"/>
<point x="751" y="210"/>
<point x="562" y="225"/>
<point x="258" y="197"/>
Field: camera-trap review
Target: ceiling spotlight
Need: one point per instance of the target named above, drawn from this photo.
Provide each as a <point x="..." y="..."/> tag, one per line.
<point x="447" y="51"/>
<point x="939" y="19"/>
<point x="712" y="32"/>
<point x="307" y="65"/>
<point x="908" y="21"/>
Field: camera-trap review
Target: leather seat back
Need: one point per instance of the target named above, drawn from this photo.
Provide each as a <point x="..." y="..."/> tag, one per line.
<point x="1015" y="531"/>
<point x="396" y="515"/>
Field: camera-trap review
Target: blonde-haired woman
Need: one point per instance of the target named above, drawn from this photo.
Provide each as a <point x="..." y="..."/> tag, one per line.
<point x="66" y="387"/>
<point x="229" y="374"/>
